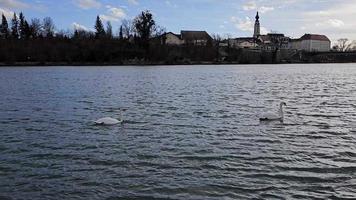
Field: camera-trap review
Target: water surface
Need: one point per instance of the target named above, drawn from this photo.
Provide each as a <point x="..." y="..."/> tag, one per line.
<point x="190" y="132"/>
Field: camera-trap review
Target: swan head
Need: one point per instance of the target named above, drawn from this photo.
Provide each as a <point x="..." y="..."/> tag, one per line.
<point x="283" y="104"/>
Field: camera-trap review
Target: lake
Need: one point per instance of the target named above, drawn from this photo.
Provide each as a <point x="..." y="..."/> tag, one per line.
<point x="189" y="132"/>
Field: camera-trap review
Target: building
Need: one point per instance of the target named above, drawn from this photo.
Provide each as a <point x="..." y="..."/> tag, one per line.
<point x="313" y="42"/>
<point x="197" y="38"/>
<point x="295" y="44"/>
<point x="275" y="41"/>
<point x="243" y="42"/>
<point x="257" y="28"/>
<point x="171" y="39"/>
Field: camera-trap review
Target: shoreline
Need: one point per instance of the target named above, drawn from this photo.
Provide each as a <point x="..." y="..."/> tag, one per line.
<point x="53" y="64"/>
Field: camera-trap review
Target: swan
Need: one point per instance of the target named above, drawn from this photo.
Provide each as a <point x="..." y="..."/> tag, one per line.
<point x="109" y="121"/>
<point x="273" y="116"/>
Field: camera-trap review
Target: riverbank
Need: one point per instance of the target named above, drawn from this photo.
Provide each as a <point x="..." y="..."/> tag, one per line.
<point x="242" y="56"/>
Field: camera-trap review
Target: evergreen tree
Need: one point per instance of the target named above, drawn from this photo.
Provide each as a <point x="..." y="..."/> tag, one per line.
<point x="4" y="28"/>
<point x="15" y="27"/>
<point x="121" y="34"/>
<point x="99" y="28"/>
<point x="27" y="29"/>
<point x="22" y="31"/>
<point x="109" y="30"/>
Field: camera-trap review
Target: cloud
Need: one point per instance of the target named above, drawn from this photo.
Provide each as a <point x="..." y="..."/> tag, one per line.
<point x="113" y="14"/>
<point x="335" y="23"/>
<point x="246" y="25"/>
<point x="133" y="2"/>
<point x="87" y="4"/>
<point x="77" y="26"/>
<point x="8" y="13"/>
<point x="249" y="6"/>
<point x="264" y="9"/>
<point x="170" y="4"/>
<point x="336" y="20"/>
<point x="13" y="4"/>
<point x="252" y="5"/>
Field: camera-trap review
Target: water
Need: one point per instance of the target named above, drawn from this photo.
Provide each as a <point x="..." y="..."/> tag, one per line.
<point x="190" y="132"/>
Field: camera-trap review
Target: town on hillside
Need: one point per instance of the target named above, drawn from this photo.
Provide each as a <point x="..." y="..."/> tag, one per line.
<point x="271" y="41"/>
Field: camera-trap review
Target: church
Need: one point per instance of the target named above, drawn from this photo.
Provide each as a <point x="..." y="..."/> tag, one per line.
<point x="278" y="41"/>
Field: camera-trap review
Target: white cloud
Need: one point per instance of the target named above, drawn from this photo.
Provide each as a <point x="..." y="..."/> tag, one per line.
<point x="77" y="26"/>
<point x="13" y="4"/>
<point x="335" y="21"/>
<point x="8" y="13"/>
<point x="133" y="2"/>
<point x="246" y="25"/>
<point x="252" y="5"/>
<point x="113" y="14"/>
<point x="249" y="6"/>
<point x="87" y="4"/>
<point x="264" y="9"/>
<point x="169" y="3"/>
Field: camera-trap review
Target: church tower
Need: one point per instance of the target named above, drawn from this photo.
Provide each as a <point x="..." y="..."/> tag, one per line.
<point x="257" y="29"/>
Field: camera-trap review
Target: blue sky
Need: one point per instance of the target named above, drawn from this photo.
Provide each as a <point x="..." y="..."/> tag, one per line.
<point x="334" y="18"/>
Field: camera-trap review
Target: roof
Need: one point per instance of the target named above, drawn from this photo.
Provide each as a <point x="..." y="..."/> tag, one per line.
<point x="276" y="34"/>
<point x="314" y="37"/>
<point x="248" y="39"/>
<point x="195" y="35"/>
<point x="177" y="35"/>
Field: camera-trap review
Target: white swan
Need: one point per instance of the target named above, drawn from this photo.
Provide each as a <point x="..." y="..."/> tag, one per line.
<point x="273" y="116"/>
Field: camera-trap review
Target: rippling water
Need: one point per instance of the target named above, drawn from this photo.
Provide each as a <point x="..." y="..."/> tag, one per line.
<point x="190" y="132"/>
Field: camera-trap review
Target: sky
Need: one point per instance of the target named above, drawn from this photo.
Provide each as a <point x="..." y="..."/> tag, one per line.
<point x="232" y="18"/>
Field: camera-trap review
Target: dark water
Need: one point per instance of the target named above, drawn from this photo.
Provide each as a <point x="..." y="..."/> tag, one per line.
<point x="190" y="132"/>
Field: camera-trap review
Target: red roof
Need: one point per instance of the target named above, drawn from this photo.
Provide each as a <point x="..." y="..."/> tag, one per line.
<point x="315" y="37"/>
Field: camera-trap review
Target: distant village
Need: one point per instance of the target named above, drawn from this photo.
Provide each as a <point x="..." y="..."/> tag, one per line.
<point x="143" y="42"/>
<point x="271" y="41"/>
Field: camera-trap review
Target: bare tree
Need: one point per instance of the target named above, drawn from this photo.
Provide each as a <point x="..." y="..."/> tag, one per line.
<point x="343" y="44"/>
<point x="127" y="28"/>
<point x="48" y="27"/>
<point x="35" y="27"/>
<point x="352" y="46"/>
<point x="158" y="30"/>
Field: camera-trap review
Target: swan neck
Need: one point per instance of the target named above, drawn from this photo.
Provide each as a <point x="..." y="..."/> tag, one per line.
<point x="281" y="111"/>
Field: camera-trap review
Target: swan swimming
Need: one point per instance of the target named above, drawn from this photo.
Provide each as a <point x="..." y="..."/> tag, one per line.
<point x="273" y="116"/>
<point x="109" y="121"/>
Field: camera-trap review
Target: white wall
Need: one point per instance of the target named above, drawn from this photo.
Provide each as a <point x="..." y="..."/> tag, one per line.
<point x="172" y="39"/>
<point x="241" y="44"/>
<point x="315" y="45"/>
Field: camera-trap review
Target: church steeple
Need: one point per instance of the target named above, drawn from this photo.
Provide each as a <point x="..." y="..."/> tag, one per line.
<point x="257" y="29"/>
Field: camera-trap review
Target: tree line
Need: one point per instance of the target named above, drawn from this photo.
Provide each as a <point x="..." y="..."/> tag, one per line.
<point x="20" y="28"/>
<point x="38" y="41"/>
<point x="143" y="27"/>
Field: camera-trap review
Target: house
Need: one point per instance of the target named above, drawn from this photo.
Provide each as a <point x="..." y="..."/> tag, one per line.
<point x="273" y="41"/>
<point x="243" y="42"/>
<point x="295" y="44"/>
<point x="198" y="38"/>
<point x="171" y="39"/>
<point x="313" y="42"/>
